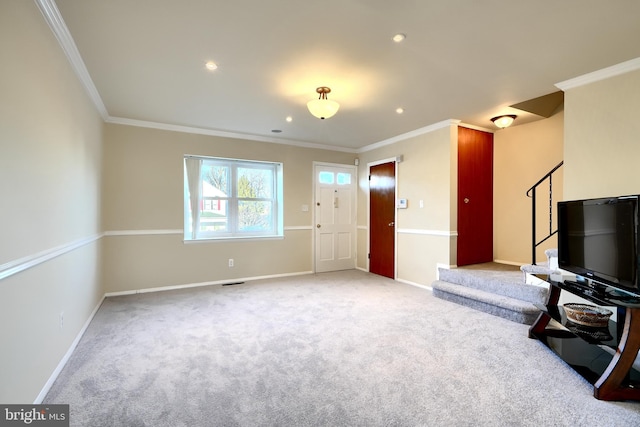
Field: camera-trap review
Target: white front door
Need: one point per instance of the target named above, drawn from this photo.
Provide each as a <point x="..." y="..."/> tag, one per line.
<point x="335" y="214"/>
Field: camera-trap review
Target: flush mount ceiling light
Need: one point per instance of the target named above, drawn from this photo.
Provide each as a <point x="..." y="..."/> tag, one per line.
<point x="504" y="121"/>
<point x="322" y="108"/>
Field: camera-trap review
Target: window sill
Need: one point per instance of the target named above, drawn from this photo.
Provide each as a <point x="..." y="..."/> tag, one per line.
<point x="233" y="239"/>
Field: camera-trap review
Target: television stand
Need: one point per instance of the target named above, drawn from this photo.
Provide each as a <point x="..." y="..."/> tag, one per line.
<point x="603" y="356"/>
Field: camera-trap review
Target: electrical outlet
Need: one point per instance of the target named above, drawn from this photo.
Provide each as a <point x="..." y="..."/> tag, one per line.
<point x="230" y="262"/>
<point x="61" y="319"/>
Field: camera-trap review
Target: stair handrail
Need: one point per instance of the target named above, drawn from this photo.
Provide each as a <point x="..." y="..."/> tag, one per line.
<point x="531" y="193"/>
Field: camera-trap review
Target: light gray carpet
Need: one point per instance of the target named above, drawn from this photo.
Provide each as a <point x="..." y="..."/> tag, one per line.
<point x="334" y="349"/>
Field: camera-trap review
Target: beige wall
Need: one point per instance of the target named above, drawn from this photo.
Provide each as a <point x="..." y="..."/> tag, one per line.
<point x="602" y="138"/>
<point x="50" y="168"/>
<point x="425" y="235"/>
<point x="62" y="186"/>
<point x="522" y="155"/>
<point x="143" y="196"/>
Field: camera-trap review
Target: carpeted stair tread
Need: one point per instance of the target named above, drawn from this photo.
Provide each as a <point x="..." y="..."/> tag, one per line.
<point x="497" y="283"/>
<point x="547" y="268"/>
<point x="509" y="308"/>
<point x="537" y="269"/>
<point x="486" y="297"/>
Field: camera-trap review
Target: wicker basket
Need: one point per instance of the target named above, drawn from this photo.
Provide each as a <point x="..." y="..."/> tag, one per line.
<point x="587" y="315"/>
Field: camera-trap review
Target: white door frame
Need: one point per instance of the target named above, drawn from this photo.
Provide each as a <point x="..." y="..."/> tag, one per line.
<point x="396" y="160"/>
<point x="354" y="169"/>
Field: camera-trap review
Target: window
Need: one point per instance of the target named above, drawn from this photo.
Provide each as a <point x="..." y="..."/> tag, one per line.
<point x="228" y="198"/>
<point x="328" y="177"/>
<point x="344" y="178"/>
<point x="325" y="177"/>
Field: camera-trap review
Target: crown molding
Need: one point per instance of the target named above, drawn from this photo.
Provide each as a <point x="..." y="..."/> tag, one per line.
<point x="411" y="134"/>
<point x="225" y="134"/>
<point x="480" y="128"/>
<point x="55" y="21"/>
<point x="52" y="15"/>
<point x="605" y="73"/>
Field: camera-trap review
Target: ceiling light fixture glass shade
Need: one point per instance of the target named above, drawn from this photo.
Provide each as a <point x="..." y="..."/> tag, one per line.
<point x="322" y="107"/>
<point x="504" y="121"/>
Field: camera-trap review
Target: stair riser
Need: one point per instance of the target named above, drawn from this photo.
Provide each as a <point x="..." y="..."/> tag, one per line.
<point x="518" y="290"/>
<point x="515" y="316"/>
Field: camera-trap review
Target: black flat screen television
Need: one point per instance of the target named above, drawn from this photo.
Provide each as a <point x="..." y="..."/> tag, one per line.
<point x="598" y="240"/>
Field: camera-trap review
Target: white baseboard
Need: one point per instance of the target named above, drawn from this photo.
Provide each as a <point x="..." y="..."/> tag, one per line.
<point x="66" y="356"/>
<point x="444" y="266"/>
<point x="501" y="261"/>
<point x="417" y="285"/>
<point x="196" y="285"/>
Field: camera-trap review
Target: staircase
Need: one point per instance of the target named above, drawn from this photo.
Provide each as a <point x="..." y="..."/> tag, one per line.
<point x="509" y="294"/>
<point x="498" y="292"/>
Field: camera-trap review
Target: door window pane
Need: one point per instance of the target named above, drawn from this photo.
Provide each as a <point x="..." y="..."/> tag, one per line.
<point x="326" y="177"/>
<point x="344" y="178"/>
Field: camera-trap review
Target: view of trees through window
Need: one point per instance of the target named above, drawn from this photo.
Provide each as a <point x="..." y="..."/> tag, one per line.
<point x="237" y="198"/>
<point x="254" y="186"/>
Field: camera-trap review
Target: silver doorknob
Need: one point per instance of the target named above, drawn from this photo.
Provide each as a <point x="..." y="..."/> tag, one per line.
<point x="466" y="200"/>
<point x="391" y="224"/>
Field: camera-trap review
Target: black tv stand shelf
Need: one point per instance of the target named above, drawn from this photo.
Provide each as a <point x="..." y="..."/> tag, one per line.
<point x="603" y="356"/>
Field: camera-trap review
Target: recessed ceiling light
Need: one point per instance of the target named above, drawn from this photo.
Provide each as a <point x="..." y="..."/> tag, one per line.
<point x="399" y="110"/>
<point x="399" y="37"/>
<point x="289" y="119"/>
<point x="211" y="65"/>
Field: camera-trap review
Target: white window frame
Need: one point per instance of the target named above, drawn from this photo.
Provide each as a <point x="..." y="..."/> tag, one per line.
<point x="231" y="200"/>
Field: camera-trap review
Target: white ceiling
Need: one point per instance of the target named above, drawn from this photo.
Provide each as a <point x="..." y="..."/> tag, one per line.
<point x="462" y="59"/>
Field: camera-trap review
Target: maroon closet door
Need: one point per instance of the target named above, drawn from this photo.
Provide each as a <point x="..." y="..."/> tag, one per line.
<point x="382" y="211"/>
<point x="475" y="196"/>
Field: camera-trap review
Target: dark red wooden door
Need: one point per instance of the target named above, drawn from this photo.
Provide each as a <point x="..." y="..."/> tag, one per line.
<point x="475" y="196"/>
<point x="382" y="211"/>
